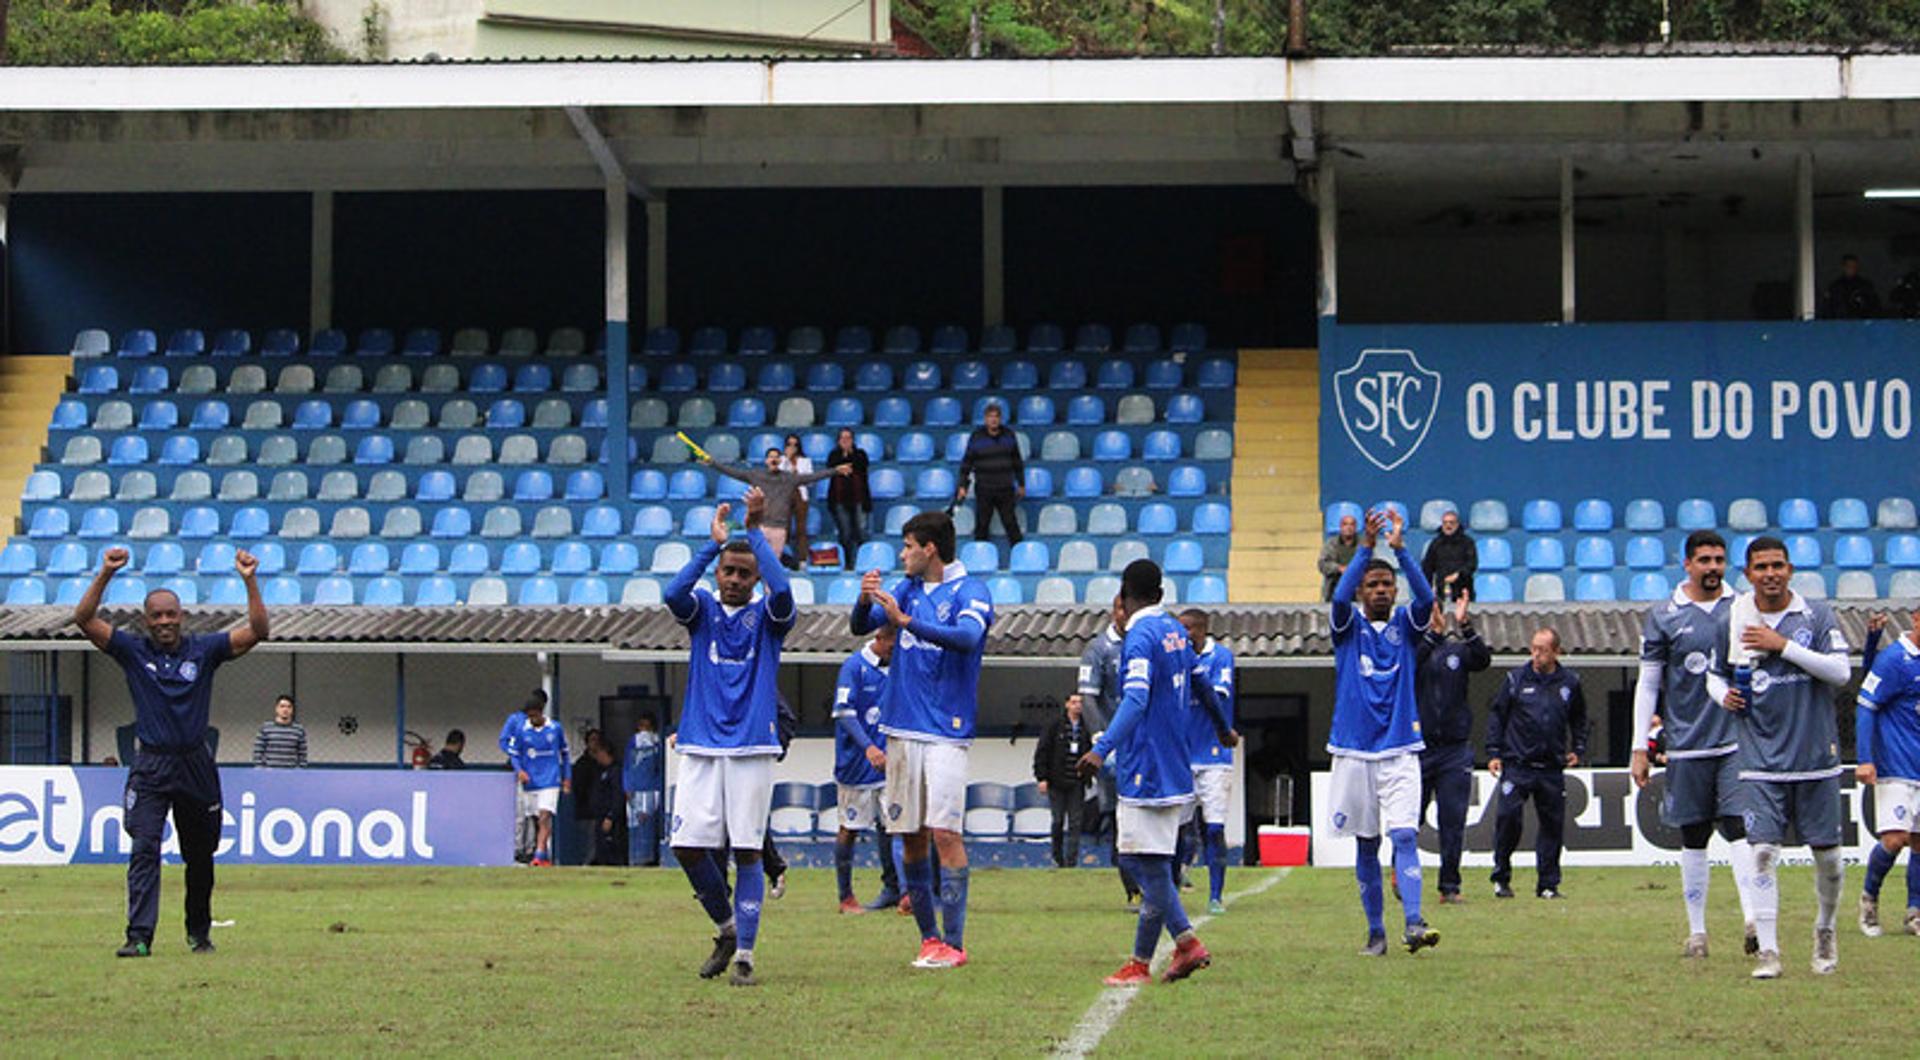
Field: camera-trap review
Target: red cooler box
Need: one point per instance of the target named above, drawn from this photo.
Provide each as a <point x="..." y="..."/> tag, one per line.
<point x="1284" y="846"/>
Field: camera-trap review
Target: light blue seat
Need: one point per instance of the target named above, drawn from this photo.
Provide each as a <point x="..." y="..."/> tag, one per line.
<point x="1848" y="513"/>
<point x="586" y="485"/>
<point x="892" y="412"/>
<point x="69" y="415"/>
<point x="1540" y="516"/>
<point x="359" y="415"/>
<point x="18" y="558"/>
<point x="199" y="523"/>
<point x="1183" y="408"/>
<point x="653" y="521"/>
<point x="886" y="483"/>
<point x="1853" y="552"/>
<point x="1593" y="516"/>
<point x="1903" y="550"/>
<point x="1206" y="589"/>
<point x="1083" y="482"/>
<point x="1545" y="554"/>
<point x="1183" y="556"/>
<point x="215" y="558"/>
<point x="1005" y="590"/>
<point x="50" y="523"/>
<point x="570" y="558"/>
<point x="99" y="522"/>
<point x="227" y="591"/>
<point x="619" y="558"/>
<point x="369" y="557"/>
<point x="1087" y="410"/>
<point x="128" y="590"/>
<point x="451" y="523"/>
<point x="1593" y="553"/>
<point x="533" y="485"/>
<point x="538" y="378"/>
<point x="588" y="592"/>
<point x="420" y="557"/>
<point x="1030" y="557"/>
<point x="313" y="415"/>
<point x="1495" y="554"/>
<point x="1212" y="517"/>
<point x="434" y="486"/>
<point x="1112" y="446"/>
<point x="980" y="557"/>
<point x="157" y="415"/>
<point x="210" y="415"/>
<point x="696" y="520"/>
<point x="436" y="591"/>
<point x="129" y="450"/>
<point x="914" y="447"/>
<point x="164" y="558"/>
<point x="469" y="557"/>
<point x="1696" y="513"/>
<point x="1804" y="551"/>
<point x="1594" y="587"/>
<point x="70" y="557"/>
<point x="647" y="484"/>
<point x="26" y="592"/>
<point x="1161" y="445"/>
<point x="687" y="485"/>
<point x="384" y="591"/>
<point x="1492" y="589"/>
<point x="1158" y="518"/>
<point x="1187" y="481"/>
<point x="1645" y="515"/>
<point x="1338" y="510"/>
<point x="940" y="411"/>
<point x="1039" y="483"/>
<point x="333" y="592"/>
<point x="373" y="451"/>
<point x="281" y="591"/>
<point x="1648" y="586"/>
<point x="317" y="557"/>
<point x="934" y="484"/>
<point x="1646" y="553"/>
<point x="1488" y="517"/>
<point x="1799" y="513"/>
<point x="874" y="555"/>
<point x="180" y="450"/>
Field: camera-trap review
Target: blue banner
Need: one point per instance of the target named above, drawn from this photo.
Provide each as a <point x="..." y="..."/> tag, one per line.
<point x="57" y="815"/>
<point x="1516" y="412"/>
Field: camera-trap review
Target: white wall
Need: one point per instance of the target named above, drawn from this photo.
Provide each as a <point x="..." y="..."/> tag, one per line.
<point x="413" y="28"/>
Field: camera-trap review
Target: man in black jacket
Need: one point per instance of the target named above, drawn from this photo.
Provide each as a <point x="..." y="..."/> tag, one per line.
<point x="1450" y="560"/>
<point x="1536" y="728"/>
<point x="607" y="802"/>
<point x="1446" y="723"/>
<point x="1055" y="759"/>
<point x="992" y="463"/>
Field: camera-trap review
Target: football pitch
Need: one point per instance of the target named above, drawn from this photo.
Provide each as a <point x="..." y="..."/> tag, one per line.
<point x="522" y="962"/>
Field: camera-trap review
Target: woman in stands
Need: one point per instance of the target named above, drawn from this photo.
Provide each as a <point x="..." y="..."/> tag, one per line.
<point x="792" y="459"/>
<point x="848" y="499"/>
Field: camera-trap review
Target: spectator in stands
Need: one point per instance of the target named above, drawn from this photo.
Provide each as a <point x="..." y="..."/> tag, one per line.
<point x="608" y="802"/>
<point x="848" y="499"/>
<point x="1450" y="560"/>
<point x="1536" y="728"/>
<point x="586" y="773"/>
<point x="795" y="460"/>
<point x="781" y="489"/>
<point x="999" y="476"/>
<point x="1054" y="759"/>
<point x="1337" y="553"/>
<point x="282" y="742"/>
<point x="449" y="754"/>
<point x="1851" y="296"/>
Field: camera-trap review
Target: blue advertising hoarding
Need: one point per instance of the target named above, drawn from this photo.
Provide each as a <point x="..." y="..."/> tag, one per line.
<point x="1619" y="411"/>
<point x="58" y="815"/>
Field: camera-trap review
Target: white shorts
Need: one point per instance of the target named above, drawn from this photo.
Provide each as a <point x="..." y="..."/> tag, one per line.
<point x="1895" y="803"/>
<point x="1214" y="788"/>
<point x="926" y="785"/>
<point x="859" y="807"/>
<point x="542" y="800"/>
<point x="722" y="801"/>
<point x="1366" y="794"/>
<point x="1149" y="829"/>
<point x="523" y="803"/>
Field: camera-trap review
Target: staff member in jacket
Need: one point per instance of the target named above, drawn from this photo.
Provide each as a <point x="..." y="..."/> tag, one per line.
<point x="848" y="499"/>
<point x="992" y="463"/>
<point x="1056" y="759"/>
<point x="1446" y="721"/>
<point x="1536" y="728"/>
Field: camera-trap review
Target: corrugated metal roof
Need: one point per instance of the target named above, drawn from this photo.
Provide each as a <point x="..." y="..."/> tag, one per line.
<point x="1256" y="634"/>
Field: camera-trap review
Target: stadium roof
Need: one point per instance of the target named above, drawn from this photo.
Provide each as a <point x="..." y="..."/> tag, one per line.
<point x="1269" y="636"/>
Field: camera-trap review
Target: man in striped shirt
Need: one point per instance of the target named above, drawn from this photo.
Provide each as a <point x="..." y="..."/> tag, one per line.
<point x="282" y="742"/>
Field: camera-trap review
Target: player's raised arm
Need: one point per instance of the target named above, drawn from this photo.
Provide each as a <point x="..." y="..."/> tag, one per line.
<point x="86" y="612"/>
<point x="964" y="633"/>
<point x="1420" y="603"/>
<point x="1349" y="584"/>
<point x="680" y="591"/>
<point x="773" y="574"/>
<point x="867" y="613"/>
<point x="242" y="640"/>
<point x="1479" y="656"/>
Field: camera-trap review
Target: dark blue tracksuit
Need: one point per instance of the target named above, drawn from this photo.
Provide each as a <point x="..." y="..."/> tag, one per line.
<point x="172" y="771"/>
<point x="1446" y="724"/>
<point x="1535" y="719"/>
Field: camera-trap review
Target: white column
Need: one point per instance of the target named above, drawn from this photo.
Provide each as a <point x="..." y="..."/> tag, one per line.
<point x="1566" y="240"/>
<point x="993" y="256"/>
<point x="617" y="341"/>
<point x="657" y="261"/>
<point x="1326" y="199"/>
<point x="1803" y="303"/>
<point x="320" y="265"/>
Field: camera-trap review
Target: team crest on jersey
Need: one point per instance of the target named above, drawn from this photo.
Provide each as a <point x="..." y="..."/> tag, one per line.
<point x="1695" y="663"/>
<point x="1900" y="812"/>
<point x="1453" y="662"/>
<point x="893" y="811"/>
<point x="853" y="814"/>
<point x="1803" y="637"/>
<point x="1339" y="820"/>
<point x="1506" y="787"/>
<point x="676" y="822"/>
<point x="873" y="716"/>
<point x="1566" y="694"/>
<point x="1392" y="634"/>
<point x="945" y="611"/>
<point x="189" y="670"/>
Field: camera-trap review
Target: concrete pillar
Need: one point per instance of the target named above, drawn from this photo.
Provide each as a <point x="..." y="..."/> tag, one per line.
<point x="1325" y="197"/>
<point x="320" y="265"/>
<point x="657" y="262"/>
<point x="618" y="465"/>
<point x="1566" y="240"/>
<point x="993" y="256"/>
<point x="1803" y="300"/>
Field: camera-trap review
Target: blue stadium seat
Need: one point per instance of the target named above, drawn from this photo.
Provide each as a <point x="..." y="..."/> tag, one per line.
<point x="1084" y="482"/>
<point x="747" y="412"/>
<point x="128" y="450"/>
<point x="1488" y="517"/>
<point x="957" y="446"/>
<point x="1019" y="375"/>
<point x="1644" y="515"/>
<point x="487" y="378"/>
<point x="313" y="415"/>
<point x="1112" y="446"/>
<point x="588" y="592"/>
<point x="1114" y="375"/>
<point x="164" y="558"/>
<point x="1804" y="551"/>
<point x="885" y="483"/>
<point x="215" y="558"/>
<point x="826" y="377"/>
<point x="1215" y="374"/>
<point x="707" y="342"/>
<point x="969" y="375"/>
<point x="874" y="555"/>
<point x="140" y="342"/>
<point x="1141" y="338"/>
<point x="914" y="447"/>
<point x="1039" y="483"/>
<point x="949" y="339"/>
<point x="128" y="590"/>
<point x="421" y="342"/>
<point x="180" y="450"/>
<point x="536" y="378"/>
<point x="26" y="592"/>
<point x="1160" y="445"/>
<point x="187" y="342"/>
<point x="1495" y="554"/>
<point x="533" y="484"/>
<point x="1086" y="411"/>
<point x="1157" y="519"/>
<point x="1092" y="338"/>
<point x="1593" y="553"/>
<point x="571" y="557"/>
<point x="1212" y="517"/>
<point x="359" y="415"/>
<point x="69" y="415"/>
<point x="199" y="523"/>
<point x="660" y="342"/>
<point x="619" y="558"/>
<point x="1695" y="513"/>
<point x="99" y="379"/>
<point x="1903" y="550"/>
<point x="1492" y="589"/>
<point x="1540" y="516"/>
<point x="420" y="557"/>
<point x="1853" y="552"/>
<point x="99" y="523"/>
<point x="754" y="341"/>
<point x="329" y="342"/>
<point x="586" y="485"/>
<point x="1646" y="553"/>
<point x="648" y="484"/>
<point x="506" y="414"/>
<point x="451" y="523"/>
<point x="317" y="557"/>
<point x="1799" y="513"/>
<point x="687" y="485"/>
<point x="1164" y="375"/>
<point x="1206" y="589"/>
<point x="157" y="415"/>
<point x="1035" y="410"/>
<point x="519" y="558"/>
<point x="1005" y="590"/>
<point x="678" y="378"/>
<point x="1647" y="586"/>
<point x="211" y="416"/>
<point x="232" y="342"/>
<point x="383" y="591"/>
<point x="893" y="412"/>
<point x="853" y="340"/>
<point x="70" y="557"/>
<point x="1044" y="338"/>
<point x="18" y="558"/>
<point x="1746" y="513"/>
<point x="375" y="342"/>
<point x="1593" y="516"/>
<point x="374" y="450"/>
<point x="49" y="523"/>
<point x="1594" y="587"/>
<point x="998" y="339"/>
<point x="1848" y="513"/>
<point x="934" y="484"/>
<point x="434" y="486"/>
<point x="436" y="591"/>
<point x="1185" y="408"/>
<point x="775" y="378"/>
<point x="804" y="341"/>
<point x="1183" y="556"/>
<point x="1027" y="557"/>
<point x="1186" y="481"/>
<point x="1545" y="554"/>
<point x="940" y="411"/>
<point x="1067" y="375"/>
<point x="1187" y="338"/>
<point x="330" y="592"/>
<point x="280" y="342"/>
<point x="369" y="557"/>
<point x="980" y="557"/>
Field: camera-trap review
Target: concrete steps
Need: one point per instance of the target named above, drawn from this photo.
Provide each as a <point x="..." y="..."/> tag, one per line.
<point x="1276" y="478"/>
<point x="30" y="387"/>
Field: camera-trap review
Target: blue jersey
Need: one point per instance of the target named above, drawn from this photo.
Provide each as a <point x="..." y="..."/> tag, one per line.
<point x="514" y="723"/>
<point x="645" y="768"/>
<point x="1149" y="730"/>
<point x="542" y="755"/>
<point x="172" y="691"/>
<point x="1376" y="713"/>
<point x="1203" y="739"/>
<point x="933" y="680"/>
<point x="856" y="719"/>
<point x="732" y="699"/>
<point x="1892" y="692"/>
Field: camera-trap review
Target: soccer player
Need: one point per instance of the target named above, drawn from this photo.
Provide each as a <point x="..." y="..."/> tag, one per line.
<point x="1887" y="746"/>
<point x="927" y="710"/>
<point x="1211" y="756"/>
<point x="1375" y="741"/>
<point x="1151" y="731"/>
<point x="1869" y="653"/>
<point x="1446" y="725"/>
<point x="540" y="764"/>
<point x="526" y="817"/>
<point x="170" y="679"/>
<point x="730" y="728"/>
<point x="1679" y="642"/>
<point x="1099" y="690"/>
<point x="859" y="751"/>
<point x="1779" y="645"/>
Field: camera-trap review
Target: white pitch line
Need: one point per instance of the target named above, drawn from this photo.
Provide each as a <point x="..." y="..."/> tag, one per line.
<point x="1106" y="1010"/>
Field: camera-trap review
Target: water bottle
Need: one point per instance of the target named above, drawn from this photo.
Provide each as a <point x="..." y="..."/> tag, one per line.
<point x="1743" y="683"/>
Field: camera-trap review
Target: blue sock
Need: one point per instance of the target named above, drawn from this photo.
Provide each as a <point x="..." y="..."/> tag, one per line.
<point x="1216" y="860"/>
<point x="708" y="886"/>
<point x="843" y="864"/>
<point x="749" y="890"/>
<point x="889" y="872"/>
<point x="1154" y="874"/>
<point x="1913" y="880"/>
<point x="919" y="875"/>
<point x="953" y="905"/>
<point x="1879" y="863"/>
<point x="1373" y="898"/>
<point x="1406" y="868"/>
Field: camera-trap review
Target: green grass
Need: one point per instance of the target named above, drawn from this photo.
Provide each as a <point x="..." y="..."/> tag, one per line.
<point x="518" y="961"/>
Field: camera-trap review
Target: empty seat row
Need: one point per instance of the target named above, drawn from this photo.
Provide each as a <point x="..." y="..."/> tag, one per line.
<point x="906" y="339"/>
<point x="349" y="522"/>
<point x="487" y="377"/>
<point x="827" y="377"/>
<point x="1804" y="551"/>
<point x="327" y="449"/>
<point x="1595" y="515"/>
<point x="284" y="342"/>
<point x="1650" y="586"/>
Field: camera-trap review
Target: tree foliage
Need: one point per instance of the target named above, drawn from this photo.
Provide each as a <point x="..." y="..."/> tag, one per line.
<point x="103" y="33"/>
